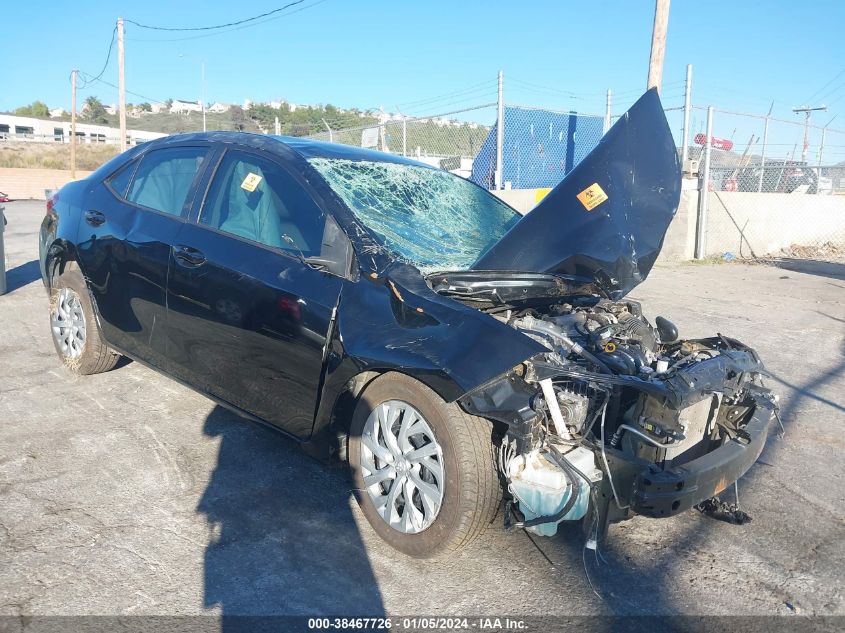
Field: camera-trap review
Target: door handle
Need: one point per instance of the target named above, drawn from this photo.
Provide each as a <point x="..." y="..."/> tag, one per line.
<point x="188" y="256"/>
<point x="94" y="218"/>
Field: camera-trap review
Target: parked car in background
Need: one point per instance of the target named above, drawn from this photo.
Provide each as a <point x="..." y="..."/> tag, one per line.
<point x="392" y="314"/>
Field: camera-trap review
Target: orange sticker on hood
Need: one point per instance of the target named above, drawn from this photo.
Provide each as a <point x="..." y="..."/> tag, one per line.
<point x="592" y="196"/>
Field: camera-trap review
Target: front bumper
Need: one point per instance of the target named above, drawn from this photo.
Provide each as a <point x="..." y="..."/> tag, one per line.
<point x="663" y="493"/>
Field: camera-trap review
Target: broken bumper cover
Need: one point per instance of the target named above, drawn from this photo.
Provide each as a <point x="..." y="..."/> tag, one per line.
<point x="663" y="493"/>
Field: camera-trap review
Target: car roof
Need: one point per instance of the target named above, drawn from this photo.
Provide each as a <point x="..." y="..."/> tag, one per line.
<point x="306" y="148"/>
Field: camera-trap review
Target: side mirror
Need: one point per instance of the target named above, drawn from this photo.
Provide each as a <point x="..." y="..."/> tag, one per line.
<point x="336" y="252"/>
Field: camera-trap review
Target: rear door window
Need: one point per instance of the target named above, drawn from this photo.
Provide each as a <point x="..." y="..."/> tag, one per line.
<point x="120" y="181"/>
<point x="164" y="179"/>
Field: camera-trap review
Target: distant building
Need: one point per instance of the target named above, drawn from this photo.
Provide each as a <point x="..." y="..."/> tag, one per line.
<point x="19" y="128"/>
<point x="180" y="106"/>
<point x="57" y="113"/>
<point x="110" y="109"/>
<point x="218" y="107"/>
<point x="158" y="108"/>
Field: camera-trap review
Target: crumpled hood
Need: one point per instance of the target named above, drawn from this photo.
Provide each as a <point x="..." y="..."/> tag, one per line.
<point x="605" y="222"/>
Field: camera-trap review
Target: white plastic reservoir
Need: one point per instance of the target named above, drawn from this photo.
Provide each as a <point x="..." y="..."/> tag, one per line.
<point x="542" y="489"/>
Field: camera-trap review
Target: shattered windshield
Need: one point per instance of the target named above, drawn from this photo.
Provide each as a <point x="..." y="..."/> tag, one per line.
<point x="426" y="217"/>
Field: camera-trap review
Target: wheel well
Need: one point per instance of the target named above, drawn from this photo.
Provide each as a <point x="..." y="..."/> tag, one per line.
<point x="343" y="408"/>
<point x="58" y="261"/>
<point x="347" y="400"/>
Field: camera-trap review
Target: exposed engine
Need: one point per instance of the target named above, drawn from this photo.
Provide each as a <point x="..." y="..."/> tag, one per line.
<point x="613" y="416"/>
<point x="613" y="357"/>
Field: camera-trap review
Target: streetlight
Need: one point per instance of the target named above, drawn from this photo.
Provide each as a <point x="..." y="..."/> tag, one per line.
<point x="202" y="87"/>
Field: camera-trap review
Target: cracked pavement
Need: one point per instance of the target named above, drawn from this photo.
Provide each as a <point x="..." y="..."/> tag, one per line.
<point x="126" y="493"/>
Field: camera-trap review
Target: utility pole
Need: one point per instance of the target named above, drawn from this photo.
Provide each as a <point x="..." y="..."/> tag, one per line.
<point x="687" y="109"/>
<point x="807" y="110"/>
<point x="658" y="43"/>
<point x="73" y="74"/>
<point x="329" y="130"/>
<point x="500" y="134"/>
<point x="202" y="77"/>
<point x="121" y="85"/>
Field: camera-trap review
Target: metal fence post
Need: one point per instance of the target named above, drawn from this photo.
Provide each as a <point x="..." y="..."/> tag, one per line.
<point x="763" y="153"/>
<point x="404" y="135"/>
<point x="704" y="191"/>
<point x="821" y="152"/>
<point x="607" y="116"/>
<point x="500" y="133"/>
<point x="687" y="108"/>
<point x="2" y="252"/>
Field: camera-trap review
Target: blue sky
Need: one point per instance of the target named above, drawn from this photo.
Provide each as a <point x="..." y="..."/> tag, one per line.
<point x="388" y="53"/>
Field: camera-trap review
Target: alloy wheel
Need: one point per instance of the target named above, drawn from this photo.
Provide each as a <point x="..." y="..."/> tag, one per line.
<point x="402" y="465"/>
<point x="67" y="321"/>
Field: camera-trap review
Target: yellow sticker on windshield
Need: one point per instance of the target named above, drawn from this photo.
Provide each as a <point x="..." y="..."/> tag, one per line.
<point x="592" y="196"/>
<point x="251" y="182"/>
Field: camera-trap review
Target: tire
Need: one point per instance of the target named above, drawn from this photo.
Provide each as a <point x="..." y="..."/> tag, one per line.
<point x="470" y="488"/>
<point x="74" y="329"/>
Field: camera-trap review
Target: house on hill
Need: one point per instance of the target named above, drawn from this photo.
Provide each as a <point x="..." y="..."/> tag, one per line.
<point x="180" y="106"/>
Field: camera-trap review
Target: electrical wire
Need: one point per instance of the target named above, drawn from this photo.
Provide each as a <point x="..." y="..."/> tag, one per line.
<point x="212" y="33"/>
<point x="216" y="26"/>
<point x="108" y="83"/>
<point x="817" y="92"/>
<point x="108" y="58"/>
<point x="484" y="86"/>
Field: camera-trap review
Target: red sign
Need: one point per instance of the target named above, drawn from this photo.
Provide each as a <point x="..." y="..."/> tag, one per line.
<point x="718" y="143"/>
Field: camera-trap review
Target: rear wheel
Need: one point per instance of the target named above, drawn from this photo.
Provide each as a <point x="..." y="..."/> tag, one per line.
<point x="423" y="468"/>
<point x="76" y="335"/>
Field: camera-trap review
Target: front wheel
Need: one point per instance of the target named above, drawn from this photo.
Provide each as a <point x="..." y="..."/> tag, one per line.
<point x="423" y="468"/>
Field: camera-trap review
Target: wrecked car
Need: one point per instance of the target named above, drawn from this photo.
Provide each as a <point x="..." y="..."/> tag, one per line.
<point x="385" y="312"/>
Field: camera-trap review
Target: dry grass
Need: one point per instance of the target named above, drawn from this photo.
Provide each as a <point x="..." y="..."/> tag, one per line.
<point x="46" y="156"/>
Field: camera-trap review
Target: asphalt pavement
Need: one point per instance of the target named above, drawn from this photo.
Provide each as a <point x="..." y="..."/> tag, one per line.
<point x="126" y="493"/>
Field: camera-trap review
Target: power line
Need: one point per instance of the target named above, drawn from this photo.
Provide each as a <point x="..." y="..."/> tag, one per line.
<point x="216" y="26"/>
<point x="816" y="93"/>
<point x="230" y="30"/>
<point x="108" y="58"/>
<point x="487" y="87"/>
<point x="108" y="83"/>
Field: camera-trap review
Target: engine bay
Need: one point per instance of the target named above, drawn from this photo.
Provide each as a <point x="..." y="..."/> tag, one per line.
<point x="613" y="396"/>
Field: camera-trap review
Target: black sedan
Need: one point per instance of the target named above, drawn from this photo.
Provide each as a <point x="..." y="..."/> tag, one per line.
<point x="395" y="315"/>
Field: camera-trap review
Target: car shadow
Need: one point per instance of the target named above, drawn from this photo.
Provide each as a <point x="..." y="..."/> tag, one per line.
<point x="833" y="270"/>
<point x="283" y="540"/>
<point x="22" y="275"/>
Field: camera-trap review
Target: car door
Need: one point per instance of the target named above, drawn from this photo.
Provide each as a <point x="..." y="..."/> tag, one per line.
<point x="248" y="319"/>
<point x="125" y="239"/>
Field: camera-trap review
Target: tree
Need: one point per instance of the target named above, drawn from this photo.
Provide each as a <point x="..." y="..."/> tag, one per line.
<point x="145" y="107"/>
<point x="238" y="117"/>
<point x="36" y="109"/>
<point x="93" y="110"/>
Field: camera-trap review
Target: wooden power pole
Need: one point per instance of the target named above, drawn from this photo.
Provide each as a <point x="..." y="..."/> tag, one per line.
<point x="658" y="44"/>
<point x="121" y="85"/>
<point x="73" y="124"/>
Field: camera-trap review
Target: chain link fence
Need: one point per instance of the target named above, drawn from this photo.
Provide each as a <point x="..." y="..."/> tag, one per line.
<point x="449" y="140"/>
<point x="539" y="146"/>
<point x="774" y="188"/>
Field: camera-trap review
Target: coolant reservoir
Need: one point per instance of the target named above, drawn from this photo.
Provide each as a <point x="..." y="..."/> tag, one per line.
<point x="542" y="489"/>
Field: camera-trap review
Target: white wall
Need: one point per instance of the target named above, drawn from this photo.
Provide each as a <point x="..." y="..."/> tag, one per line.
<point x="768" y="223"/>
<point x="45" y="130"/>
<point x="738" y="222"/>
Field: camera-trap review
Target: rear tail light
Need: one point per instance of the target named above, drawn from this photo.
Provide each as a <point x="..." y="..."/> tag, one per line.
<point x="51" y="204"/>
